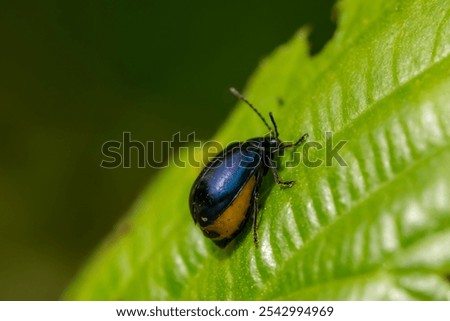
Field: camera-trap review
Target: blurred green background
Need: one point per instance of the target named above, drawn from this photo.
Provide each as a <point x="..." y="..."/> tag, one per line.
<point x="75" y="74"/>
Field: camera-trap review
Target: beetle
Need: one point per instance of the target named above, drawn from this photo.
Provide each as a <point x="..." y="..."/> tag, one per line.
<point x="225" y="194"/>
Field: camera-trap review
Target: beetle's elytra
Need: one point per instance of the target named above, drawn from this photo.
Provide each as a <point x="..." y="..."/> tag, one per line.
<point x="225" y="194"/>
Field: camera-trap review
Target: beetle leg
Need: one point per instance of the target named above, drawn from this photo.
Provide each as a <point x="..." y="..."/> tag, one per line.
<point x="300" y="141"/>
<point x="273" y="168"/>
<point x="278" y="180"/>
<point x="255" y="218"/>
<point x="255" y="208"/>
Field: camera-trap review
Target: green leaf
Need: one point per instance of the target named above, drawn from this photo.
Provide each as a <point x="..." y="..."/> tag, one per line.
<point x="378" y="228"/>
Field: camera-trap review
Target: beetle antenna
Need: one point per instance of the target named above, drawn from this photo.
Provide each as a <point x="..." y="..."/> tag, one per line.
<point x="274" y="125"/>
<point x="239" y="95"/>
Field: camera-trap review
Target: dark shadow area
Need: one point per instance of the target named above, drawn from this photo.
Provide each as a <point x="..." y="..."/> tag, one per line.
<point x="323" y="27"/>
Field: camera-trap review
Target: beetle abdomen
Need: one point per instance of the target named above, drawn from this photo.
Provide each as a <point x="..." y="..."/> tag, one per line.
<point x="230" y="222"/>
<point x="221" y="182"/>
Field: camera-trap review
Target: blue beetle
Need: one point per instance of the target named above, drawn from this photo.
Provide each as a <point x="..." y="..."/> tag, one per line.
<point x="225" y="194"/>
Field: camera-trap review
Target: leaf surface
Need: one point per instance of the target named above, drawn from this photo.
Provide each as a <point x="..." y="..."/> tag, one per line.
<point x="376" y="229"/>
